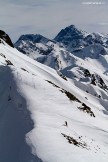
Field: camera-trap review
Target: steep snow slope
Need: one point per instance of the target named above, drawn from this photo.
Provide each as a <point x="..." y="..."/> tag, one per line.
<point x="46" y="118"/>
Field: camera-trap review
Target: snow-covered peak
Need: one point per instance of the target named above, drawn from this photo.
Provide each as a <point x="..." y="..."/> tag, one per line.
<point x="73" y="39"/>
<point x="69" y="33"/>
<point x="31" y="43"/>
<point x="70" y="37"/>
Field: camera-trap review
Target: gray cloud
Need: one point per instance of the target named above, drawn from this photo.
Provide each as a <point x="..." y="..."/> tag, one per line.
<point x="48" y="17"/>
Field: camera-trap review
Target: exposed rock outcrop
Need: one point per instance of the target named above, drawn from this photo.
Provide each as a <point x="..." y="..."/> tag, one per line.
<point x="6" y="38"/>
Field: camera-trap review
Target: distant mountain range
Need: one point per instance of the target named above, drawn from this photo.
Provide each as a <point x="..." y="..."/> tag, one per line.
<point x="71" y="38"/>
<point x="62" y="53"/>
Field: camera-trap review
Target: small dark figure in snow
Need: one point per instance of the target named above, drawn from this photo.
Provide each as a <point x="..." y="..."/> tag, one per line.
<point x="66" y="124"/>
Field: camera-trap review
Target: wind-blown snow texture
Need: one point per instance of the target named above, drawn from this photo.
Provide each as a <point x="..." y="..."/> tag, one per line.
<point x="49" y="115"/>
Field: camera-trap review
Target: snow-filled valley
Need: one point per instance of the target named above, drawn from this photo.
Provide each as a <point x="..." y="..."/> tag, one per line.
<point x="57" y="113"/>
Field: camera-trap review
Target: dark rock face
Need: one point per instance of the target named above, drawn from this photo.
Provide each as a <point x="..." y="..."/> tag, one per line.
<point x="69" y="33"/>
<point x="6" y="38"/>
<point x="70" y="37"/>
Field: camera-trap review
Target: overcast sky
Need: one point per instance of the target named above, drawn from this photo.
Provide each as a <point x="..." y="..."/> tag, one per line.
<point x="48" y="17"/>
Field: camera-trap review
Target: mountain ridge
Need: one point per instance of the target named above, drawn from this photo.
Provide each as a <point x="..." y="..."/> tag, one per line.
<point x="72" y="39"/>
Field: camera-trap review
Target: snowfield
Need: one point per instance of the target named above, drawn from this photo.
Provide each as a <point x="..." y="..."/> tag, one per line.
<point x="45" y="118"/>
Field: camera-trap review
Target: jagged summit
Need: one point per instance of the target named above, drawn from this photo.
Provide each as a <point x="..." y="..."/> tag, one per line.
<point x="6" y="38"/>
<point x="71" y="37"/>
<point x="69" y="33"/>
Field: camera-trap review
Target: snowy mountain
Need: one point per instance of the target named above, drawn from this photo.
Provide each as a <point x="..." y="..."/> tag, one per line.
<point x="73" y="39"/>
<point x="70" y="39"/>
<point x="65" y="56"/>
<point x="48" y="117"/>
<point x="35" y="45"/>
